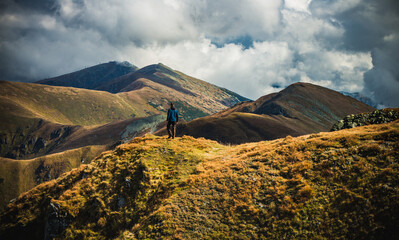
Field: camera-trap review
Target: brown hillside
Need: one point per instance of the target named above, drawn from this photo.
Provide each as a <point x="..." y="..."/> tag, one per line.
<point x="92" y="77"/>
<point x="18" y="176"/>
<point x="39" y="137"/>
<point x="32" y="112"/>
<point x="50" y="149"/>
<point x="160" y="85"/>
<point x="64" y="105"/>
<point x="39" y="119"/>
<point x="336" y="185"/>
<point x="239" y="127"/>
<point x="318" y="106"/>
<point x="301" y="108"/>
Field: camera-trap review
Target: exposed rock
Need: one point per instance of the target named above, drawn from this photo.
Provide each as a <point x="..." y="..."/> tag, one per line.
<point x="128" y="182"/>
<point x="121" y="202"/>
<point x="375" y="117"/>
<point x="55" y="134"/>
<point x="57" y="221"/>
<point x="40" y="143"/>
<point x="67" y="131"/>
<point x="84" y="175"/>
<point x="42" y="173"/>
<point x="10" y="155"/>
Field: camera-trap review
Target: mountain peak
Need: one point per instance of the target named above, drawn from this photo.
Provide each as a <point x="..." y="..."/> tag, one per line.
<point x="124" y="63"/>
<point x="91" y="77"/>
<point x="153" y="68"/>
<point x="301" y="108"/>
<point x="302" y="86"/>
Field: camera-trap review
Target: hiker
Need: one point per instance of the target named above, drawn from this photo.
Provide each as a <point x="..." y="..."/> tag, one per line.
<point x="173" y="118"/>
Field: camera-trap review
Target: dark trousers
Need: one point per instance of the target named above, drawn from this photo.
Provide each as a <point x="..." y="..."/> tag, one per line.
<point x="171" y="126"/>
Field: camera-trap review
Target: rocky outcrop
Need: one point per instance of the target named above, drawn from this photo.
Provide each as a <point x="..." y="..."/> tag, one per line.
<point x="57" y="221"/>
<point x="33" y="139"/>
<point x="375" y="117"/>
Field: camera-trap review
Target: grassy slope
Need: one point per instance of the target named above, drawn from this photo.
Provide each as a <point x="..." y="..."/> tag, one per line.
<point x="238" y="127"/>
<point x="111" y="133"/>
<point x="64" y="105"/>
<point x="162" y="85"/>
<point x="317" y="107"/>
<point x="86" y="143"/>
<point x="322" y="186"/>
<point x="25" y="104"/>
<point x="92" y="77"/>
<point x="18" y="176"/>
<point x="301" y="108"/>
<point x="141" y="97"/>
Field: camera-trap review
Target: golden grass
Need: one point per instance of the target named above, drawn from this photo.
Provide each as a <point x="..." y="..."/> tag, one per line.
<point x="22" y="175"/>
<point x="54" y="103"/>
<point x="339" y="185"/>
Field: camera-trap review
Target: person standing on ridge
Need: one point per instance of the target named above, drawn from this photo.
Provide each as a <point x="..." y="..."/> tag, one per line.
<point x="172" y="119"/>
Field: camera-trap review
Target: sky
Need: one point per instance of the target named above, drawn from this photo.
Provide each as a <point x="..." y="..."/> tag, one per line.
<point x="252" y="47"/>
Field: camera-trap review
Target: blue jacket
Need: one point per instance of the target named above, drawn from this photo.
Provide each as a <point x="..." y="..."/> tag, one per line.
<point x="173" y="115"/>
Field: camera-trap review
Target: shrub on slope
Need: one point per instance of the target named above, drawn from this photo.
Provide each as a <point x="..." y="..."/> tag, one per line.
<point x="375" y="117"/>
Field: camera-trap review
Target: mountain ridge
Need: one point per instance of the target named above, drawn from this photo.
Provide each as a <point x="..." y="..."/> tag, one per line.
<point x="327" y="185"/>
<point x="40" y="120"/>
<point x="301" y="108"/>
<point x="91" y="77"/>
<point x="69" y="106"/>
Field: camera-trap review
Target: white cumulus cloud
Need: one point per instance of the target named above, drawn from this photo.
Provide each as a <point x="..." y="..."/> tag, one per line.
<point x="253" y="47"/>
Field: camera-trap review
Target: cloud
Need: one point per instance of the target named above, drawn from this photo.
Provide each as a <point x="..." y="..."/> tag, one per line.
<point x="230" y="19"/>
<point x="298" y="5"/>
<point x="257" y="70"/>
<point x="123" y="22"/>
<point x="253" y="47"/>
<point x="382" y="82"/>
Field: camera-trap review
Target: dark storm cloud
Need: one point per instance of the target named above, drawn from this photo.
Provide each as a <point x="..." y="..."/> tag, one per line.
<point x="369" y="23"/>
<point x="37" y="5"/>
<point x="375" y="27"/>
<point x="383" y="80"/>
<point x="370" y="26"/>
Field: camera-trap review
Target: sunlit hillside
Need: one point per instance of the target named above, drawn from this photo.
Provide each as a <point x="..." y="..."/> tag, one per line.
<point x="337" y="185"/>
<point x="18" y="176"/>
<point x="63" y="105"/>
<point x="39" y="119"/>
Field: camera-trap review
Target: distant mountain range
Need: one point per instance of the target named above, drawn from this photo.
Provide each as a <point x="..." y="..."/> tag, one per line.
<point x="301" y="108"/>
<point x="90" y="111"/>
<point x="133" y="94"/>
<point x="83" y="113"/>
<point x="138" y="186"/>
<point x="362" y="98"/>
